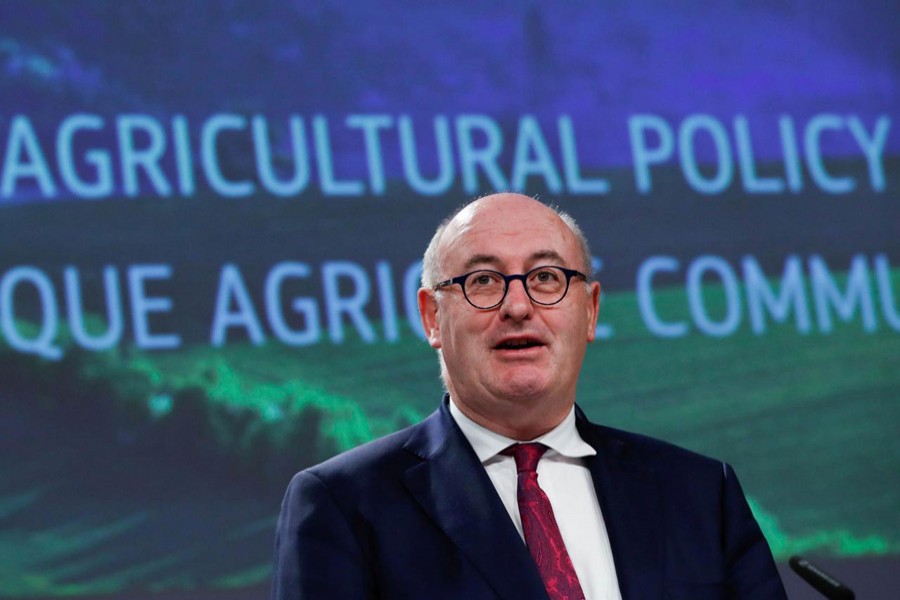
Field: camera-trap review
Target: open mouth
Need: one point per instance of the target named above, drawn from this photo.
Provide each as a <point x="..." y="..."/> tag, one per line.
<point x="518" y="344"/>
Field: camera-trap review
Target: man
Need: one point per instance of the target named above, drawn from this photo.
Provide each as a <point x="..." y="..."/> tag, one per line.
<point x="456" y="507"/>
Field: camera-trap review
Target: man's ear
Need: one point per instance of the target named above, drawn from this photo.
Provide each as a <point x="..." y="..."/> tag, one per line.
<point x="593" y="309"/>
<point x="428" y="310"/>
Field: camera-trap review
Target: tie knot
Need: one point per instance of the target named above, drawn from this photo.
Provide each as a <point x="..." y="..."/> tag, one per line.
<point x="526" y="455"/>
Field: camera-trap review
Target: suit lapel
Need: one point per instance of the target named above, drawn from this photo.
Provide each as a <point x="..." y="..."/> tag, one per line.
<point x="452" y="486"/>
<point x="632" y="511"/>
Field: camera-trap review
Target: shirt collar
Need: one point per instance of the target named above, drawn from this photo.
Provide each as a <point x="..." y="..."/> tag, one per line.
<point x="564" y="438"/>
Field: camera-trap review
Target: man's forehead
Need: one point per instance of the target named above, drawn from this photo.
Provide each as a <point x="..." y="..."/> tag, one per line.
<point x="489" y="235"/>
<point x="545" y="256"/>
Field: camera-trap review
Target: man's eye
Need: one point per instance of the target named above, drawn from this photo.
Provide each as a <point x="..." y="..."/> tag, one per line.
<point x="545" y="276"/>
<point x="483" y="280"/>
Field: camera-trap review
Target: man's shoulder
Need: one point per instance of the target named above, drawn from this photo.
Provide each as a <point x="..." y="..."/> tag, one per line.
<point x="379" y="462"/>
<point x="644" y="450"/>
<point x="371" y="456"/>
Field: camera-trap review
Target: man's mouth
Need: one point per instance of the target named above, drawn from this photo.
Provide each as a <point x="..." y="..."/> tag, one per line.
<point x="518" y="344"/>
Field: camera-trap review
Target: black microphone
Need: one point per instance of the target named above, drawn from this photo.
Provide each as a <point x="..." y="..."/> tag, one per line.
<point x="830" y="587"/>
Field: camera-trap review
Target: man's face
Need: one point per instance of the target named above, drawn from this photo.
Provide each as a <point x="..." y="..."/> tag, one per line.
<point x="519" y="354"/>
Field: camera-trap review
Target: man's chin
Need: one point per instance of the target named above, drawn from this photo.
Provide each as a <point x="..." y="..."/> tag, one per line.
<point x="523" y="385"/>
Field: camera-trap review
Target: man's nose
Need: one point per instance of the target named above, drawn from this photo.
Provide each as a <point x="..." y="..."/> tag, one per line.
<point x="517" y="304"/>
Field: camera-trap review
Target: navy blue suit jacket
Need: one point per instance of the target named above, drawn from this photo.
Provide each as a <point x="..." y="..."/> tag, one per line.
<point x="414" y="515"/>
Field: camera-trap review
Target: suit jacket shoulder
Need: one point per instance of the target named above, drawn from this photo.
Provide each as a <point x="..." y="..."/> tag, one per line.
<point x="684" y="512"/>
<point x="411" y="515"/>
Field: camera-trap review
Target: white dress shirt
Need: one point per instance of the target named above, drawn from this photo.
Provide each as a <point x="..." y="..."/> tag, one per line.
<point x="569" y="486"/>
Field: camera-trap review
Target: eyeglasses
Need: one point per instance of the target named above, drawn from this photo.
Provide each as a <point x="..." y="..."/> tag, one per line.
<point x="484" y="289"/>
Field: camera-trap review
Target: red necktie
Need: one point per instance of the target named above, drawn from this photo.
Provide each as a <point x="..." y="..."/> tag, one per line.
<point x="542" y="535"/>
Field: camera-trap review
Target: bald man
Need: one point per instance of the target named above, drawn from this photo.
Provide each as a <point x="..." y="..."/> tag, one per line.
<point x="507" y="490"/>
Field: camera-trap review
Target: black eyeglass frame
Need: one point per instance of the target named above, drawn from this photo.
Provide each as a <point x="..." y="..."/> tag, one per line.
<point x="523" y="277"/>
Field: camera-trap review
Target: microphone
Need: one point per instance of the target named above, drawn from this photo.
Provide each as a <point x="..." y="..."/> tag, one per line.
<point x="830" y="587"/>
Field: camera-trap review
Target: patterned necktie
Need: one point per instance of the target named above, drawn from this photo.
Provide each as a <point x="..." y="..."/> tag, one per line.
<point x="542" y="535"/>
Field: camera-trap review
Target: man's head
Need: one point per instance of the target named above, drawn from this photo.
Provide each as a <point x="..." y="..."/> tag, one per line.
<point x="512" y="368"/>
